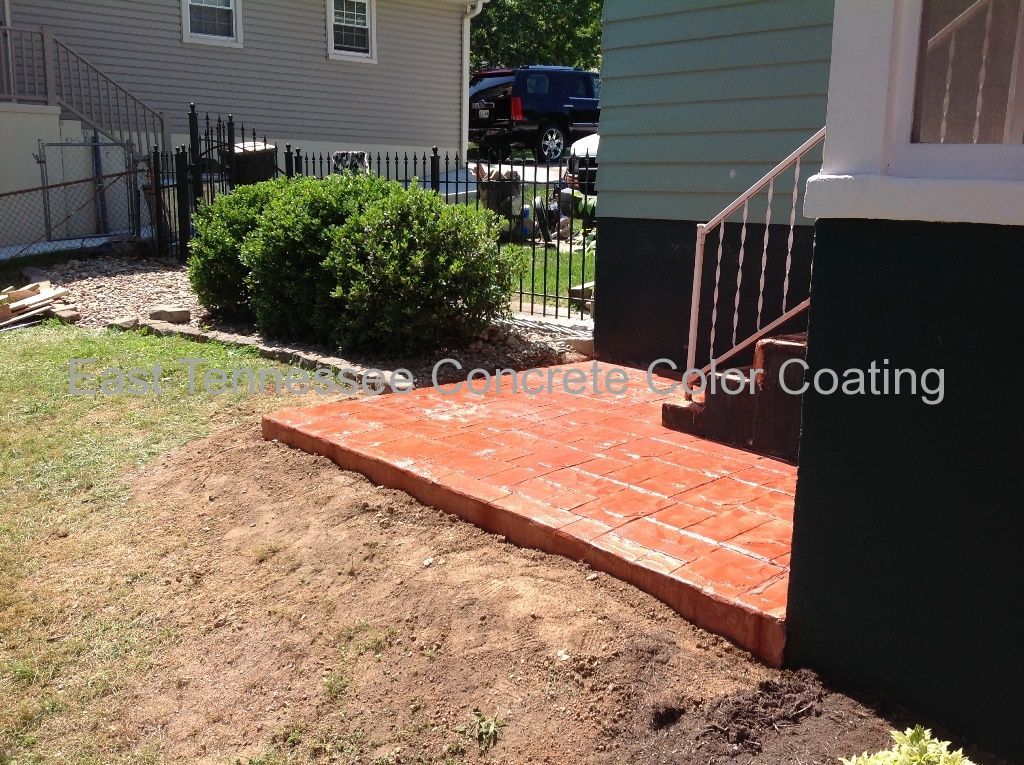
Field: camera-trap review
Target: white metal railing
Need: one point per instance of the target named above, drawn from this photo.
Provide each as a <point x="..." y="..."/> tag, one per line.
<point x="37" y="67"/>
<point x="948" y="36"/>
<point x="768" y="318"/>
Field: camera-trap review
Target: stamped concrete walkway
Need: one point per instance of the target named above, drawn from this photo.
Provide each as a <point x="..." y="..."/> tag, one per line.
<point x="704" y="527"/>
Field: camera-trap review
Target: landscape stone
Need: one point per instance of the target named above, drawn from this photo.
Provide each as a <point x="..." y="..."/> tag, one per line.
<point x="170" y="313"/>
<point x="124" y="323"/>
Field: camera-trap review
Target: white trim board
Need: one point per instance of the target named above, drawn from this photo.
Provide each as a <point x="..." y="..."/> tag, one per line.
<point x="882" y="197"/>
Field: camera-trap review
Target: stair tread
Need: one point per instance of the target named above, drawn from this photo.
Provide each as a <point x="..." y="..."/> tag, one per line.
<point x="795" y="339"/>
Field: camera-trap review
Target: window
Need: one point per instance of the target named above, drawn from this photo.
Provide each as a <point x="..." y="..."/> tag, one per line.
<point x="577" y="86"/>
<point x="537" y="85"/>
<point x="924" y="113"/>
<point x="351" y="29"/>
<point x="968" y="85"/>
<point x="216" y="22"/>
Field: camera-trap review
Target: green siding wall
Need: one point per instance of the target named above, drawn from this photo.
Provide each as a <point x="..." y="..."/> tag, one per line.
<point x="701" y="97"/>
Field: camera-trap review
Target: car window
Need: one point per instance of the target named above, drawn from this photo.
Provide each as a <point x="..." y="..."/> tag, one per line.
<point x="577" y="86"/>
<point x="596" y="83"/>
<point x="537" y="85"/>
<point x="486" y="83"/>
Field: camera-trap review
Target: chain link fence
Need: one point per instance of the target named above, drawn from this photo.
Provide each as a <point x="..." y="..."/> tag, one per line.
<point x="89" y="193"/>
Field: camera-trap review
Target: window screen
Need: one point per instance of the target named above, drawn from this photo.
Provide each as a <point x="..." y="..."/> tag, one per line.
<point x="968" y="85"/>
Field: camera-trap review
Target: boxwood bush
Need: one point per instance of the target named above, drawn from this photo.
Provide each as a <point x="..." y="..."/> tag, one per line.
<point x="215" y="268"/>
<point x="414" y="273"/>
<point x="290" y="290"/>
<point x="352" y="261"/>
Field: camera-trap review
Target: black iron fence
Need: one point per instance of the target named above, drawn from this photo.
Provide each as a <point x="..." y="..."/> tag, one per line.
<point x="548" y="209"/>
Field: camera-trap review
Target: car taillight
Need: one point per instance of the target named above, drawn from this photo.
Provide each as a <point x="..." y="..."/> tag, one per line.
<point x="517" y="109"/>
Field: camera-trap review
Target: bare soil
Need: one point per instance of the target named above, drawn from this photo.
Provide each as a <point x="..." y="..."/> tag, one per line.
<point x="314" y="617"/>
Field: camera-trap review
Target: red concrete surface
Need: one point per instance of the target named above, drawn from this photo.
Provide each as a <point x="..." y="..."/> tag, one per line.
<point x="704" y="527"/>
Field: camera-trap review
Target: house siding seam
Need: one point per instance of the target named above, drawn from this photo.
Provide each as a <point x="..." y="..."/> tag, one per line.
<point x="281" y="82"/>
<point x="700" y="101"/>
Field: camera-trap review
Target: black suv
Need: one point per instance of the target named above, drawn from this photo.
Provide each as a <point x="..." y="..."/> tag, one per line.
<point x="544" y="108"/>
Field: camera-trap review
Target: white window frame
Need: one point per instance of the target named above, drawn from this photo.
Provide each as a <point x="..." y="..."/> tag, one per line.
<point x="871" y="169"/>
<point x="228" y="42"/>
<point x="346" y="55"/>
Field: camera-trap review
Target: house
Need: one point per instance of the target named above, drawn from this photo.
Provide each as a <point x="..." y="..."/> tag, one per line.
<point x="905" y="545"/>
<point x="377" y="75"/>
<point x="699" y="100"/>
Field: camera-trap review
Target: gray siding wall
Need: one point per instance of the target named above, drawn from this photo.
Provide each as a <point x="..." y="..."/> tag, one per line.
<point x="701" y="98"/>
<point x="282" y="82"/>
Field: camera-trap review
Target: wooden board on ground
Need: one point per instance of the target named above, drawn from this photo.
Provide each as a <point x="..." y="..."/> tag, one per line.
<point x="28" y="291"/>
<point x="36" y="300"/>
<point x="38" y="312"/>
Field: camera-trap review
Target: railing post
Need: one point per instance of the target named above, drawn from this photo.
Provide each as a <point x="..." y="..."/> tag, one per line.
<point x="435" y="172"/>
<point x="298" y="162"/>
<point x="165" y="130"/>
<point x="182" y="187"/>
<point x="231" y="151"/>
<point x="195" y="155"/>
<point x="289" y="161"/>
<point x="156" y="189"/>
<point x="698" y="273"/>
<point x="49" y="66"/>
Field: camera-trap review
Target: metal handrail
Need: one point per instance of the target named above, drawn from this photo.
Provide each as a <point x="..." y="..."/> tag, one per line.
<point x="84" y="90"/>
<point x="703" y="229"/>
<point x="22" y="65"/>
<point x="951" y="28"/>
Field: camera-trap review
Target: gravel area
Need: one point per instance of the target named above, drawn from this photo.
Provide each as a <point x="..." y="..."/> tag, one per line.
<point x="106" y="288"/>
<point x="110" y="287"/>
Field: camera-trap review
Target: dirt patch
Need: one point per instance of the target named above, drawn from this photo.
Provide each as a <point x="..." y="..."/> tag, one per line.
<point x="788" y="718"/>
<point x="305" y="615"/>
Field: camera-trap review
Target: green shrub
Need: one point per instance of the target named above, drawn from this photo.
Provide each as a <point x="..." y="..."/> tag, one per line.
<point x="413" y="273"/>
<point x="215" y="268"/>
<point x="289" y="288"/>
<point x="915" y="747"/>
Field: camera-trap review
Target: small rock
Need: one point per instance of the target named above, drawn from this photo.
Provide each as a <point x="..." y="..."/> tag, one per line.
<point x="591" y="577"/>
<point x="427" y="562"/>
<point x="563" y="655"/>
<point x="169" y="313"/>
<point x="124" y="323"/>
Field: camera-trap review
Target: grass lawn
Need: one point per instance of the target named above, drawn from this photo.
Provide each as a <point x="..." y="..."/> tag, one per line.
<point x="551" y="272"/>
<point x="65" y="465"/>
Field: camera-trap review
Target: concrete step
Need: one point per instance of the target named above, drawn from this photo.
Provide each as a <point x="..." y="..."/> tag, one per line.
<point x="716" y="415"/>
<point x="776" y="428"/>
<point x="763" y="418"/>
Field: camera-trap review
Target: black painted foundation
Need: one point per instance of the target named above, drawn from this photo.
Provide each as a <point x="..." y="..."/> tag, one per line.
<point x="644" y="276"/>
<point x="907" y="560"/>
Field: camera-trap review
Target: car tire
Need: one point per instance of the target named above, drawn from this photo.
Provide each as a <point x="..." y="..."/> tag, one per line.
<point x="552" y="142"/>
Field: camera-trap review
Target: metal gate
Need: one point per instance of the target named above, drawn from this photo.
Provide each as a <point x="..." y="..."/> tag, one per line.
<point x="89" y="189"/>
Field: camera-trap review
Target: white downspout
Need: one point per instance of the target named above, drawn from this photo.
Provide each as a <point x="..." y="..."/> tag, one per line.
<point x="472" y="11"/>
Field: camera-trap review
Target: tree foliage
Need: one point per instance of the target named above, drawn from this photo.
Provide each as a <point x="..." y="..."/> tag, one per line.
<point x="512" y="33"/>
